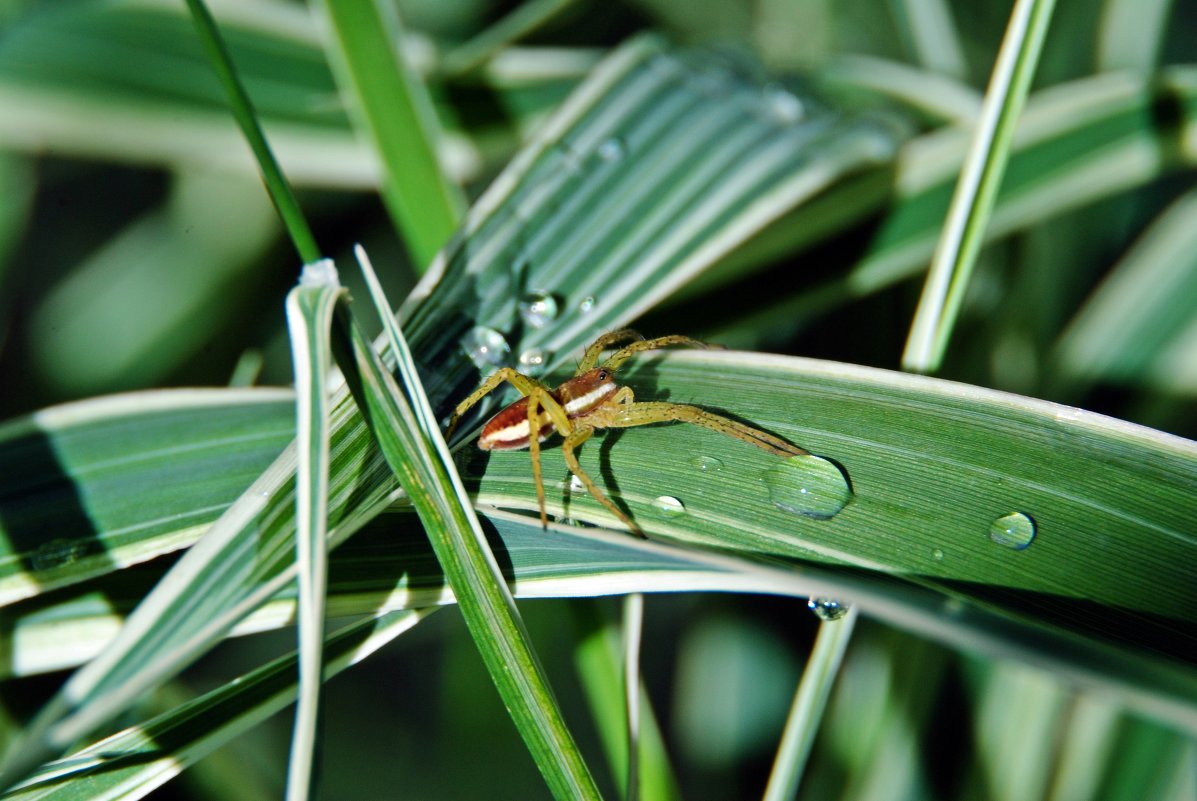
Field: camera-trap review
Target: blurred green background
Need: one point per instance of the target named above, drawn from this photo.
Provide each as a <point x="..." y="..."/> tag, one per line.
<point x="137" y="249"/>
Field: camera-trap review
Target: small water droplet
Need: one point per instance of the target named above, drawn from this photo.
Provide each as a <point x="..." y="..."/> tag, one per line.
<point x="827" y="609"/>
<point x="707" y="464"/>
<point x="533" y="362"/>
<point x="783" y="104"/>
<point x="486" y="347"/>
<point x="808" y="485"/>
<point x="1015" y="531"/>
<point x="669" y="505"/>
<point x="937" y="555"/>
<point x="575" y="484"/>
<point x="569" y="157"/>
<point x="612" y="149"/>
<point x="538" y="309"/>
<point x="57" y="553"/>
<point x="586" y="305"/>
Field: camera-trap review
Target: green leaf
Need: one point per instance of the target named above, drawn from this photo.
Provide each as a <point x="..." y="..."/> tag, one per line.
<point x="137" y="760"/>
<point x="974" y="199"/>
<point x="365" y="45"/>
<point x="242" y="109"/>
<point x="310" y="308"/>
<point x="417" y="453"/>
<point x="932" y="465"/>
<point x="1136" y="325"/>
<point x="100" y="485"/>
<point x="806" y="713"/>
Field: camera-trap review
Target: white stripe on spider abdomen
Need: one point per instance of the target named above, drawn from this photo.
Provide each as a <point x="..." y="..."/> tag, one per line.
<point x="508" y="430"/>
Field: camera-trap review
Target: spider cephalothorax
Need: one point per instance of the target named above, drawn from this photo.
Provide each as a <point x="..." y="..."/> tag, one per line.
<point x="591" y="400"/>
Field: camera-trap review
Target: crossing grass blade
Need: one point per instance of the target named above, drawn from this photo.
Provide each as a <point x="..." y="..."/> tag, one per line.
<point x="975" y="194"/>
<point x="310" y="309"/>
<point x="414" y="448"/>
<point x="393" y="107"/>
<point x="809" y="702"/>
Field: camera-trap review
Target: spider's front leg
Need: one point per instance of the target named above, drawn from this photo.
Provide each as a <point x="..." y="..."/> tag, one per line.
<point x="575" y="440"/>
<point x="645" y="413"/>
<point x="521" y="382"/>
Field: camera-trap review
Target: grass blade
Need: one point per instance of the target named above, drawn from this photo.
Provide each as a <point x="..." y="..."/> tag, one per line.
<point x="395" y="110"/>
<point x="239" y="102"/>
<point x="418" y="455"/>
<point x="310" y="309"/>
<point x="524" y="19"/>
<point x="134" y="762"/>
<point x="977" y="190"/>
<point x="597" y="659"/>
<point x="809" y="702"/>
<point x="1123" y="331"/>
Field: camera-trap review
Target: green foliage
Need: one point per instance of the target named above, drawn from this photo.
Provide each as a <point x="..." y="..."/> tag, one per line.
<point x="682" y="190"/>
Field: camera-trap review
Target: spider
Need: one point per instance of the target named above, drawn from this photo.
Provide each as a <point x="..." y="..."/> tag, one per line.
<point x="589" y="401"/>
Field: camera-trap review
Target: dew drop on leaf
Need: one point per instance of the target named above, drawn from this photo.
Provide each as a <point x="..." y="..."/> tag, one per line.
<point x="1015" y="531"/>
<point x="486" y="347"/>
<point x="808" y="485"/>
<point x="827" y="609"/>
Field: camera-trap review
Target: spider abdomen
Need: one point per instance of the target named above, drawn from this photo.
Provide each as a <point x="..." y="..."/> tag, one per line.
<point x="508" y="430"/>
<point x="578" y="397"/>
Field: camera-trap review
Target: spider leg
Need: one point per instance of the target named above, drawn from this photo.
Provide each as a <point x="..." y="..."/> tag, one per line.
<point x="627" y="351"/>
<point x="541" y="399"/>
<point x="590" y="359"/>
<point x="648" y="412"/>
<point x="521" y="382"/>
<point x="575" y="440"/>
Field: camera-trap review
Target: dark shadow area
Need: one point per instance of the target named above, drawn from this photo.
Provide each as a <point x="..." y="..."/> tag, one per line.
<point x="1157" y="634"/>
<point x="42" y="514"/>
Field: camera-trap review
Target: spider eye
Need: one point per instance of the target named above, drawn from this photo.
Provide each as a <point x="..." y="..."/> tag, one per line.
<point x="602" y="375"/>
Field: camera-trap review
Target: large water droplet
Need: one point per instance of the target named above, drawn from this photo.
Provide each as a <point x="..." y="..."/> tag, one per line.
<point x="486" y="347"/>
<point x="576" y="484"/>
<point x="808" y="485"/>
<point x="783" y="105"/>
<point x="586" y="305"/>
<point x="669" y="505"/>
<point x="828" y="609"/>
<point x="534" y="362"/>
<point x="1015" y="531"/>
<point x="612" y="149"/>
<point x="707" y="464"/>
<point x="538" y="309"/>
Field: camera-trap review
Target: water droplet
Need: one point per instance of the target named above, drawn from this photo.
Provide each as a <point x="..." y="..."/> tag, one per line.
<point x="937" y="555"/>
<point x="575" y="484"/>
<point x="828" y="609"/>
<point x="669" y="505"/>
<point x="57" y="553"/>
<point x="1015" y="531"/>
<point x="534" y="362"/>
<point x="612" y="149"/>
<point x="783" y="104"/>
<point x="538" y="309"/>
<point x="486" y="347"/>
<point x="707" y="464"/>
<point x="569" y="157"/>
<point x="586" y="305"/>
<point x="808" y="485"/>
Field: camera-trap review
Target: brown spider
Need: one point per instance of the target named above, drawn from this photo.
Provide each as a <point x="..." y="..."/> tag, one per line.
<point x="589" y="401"/>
